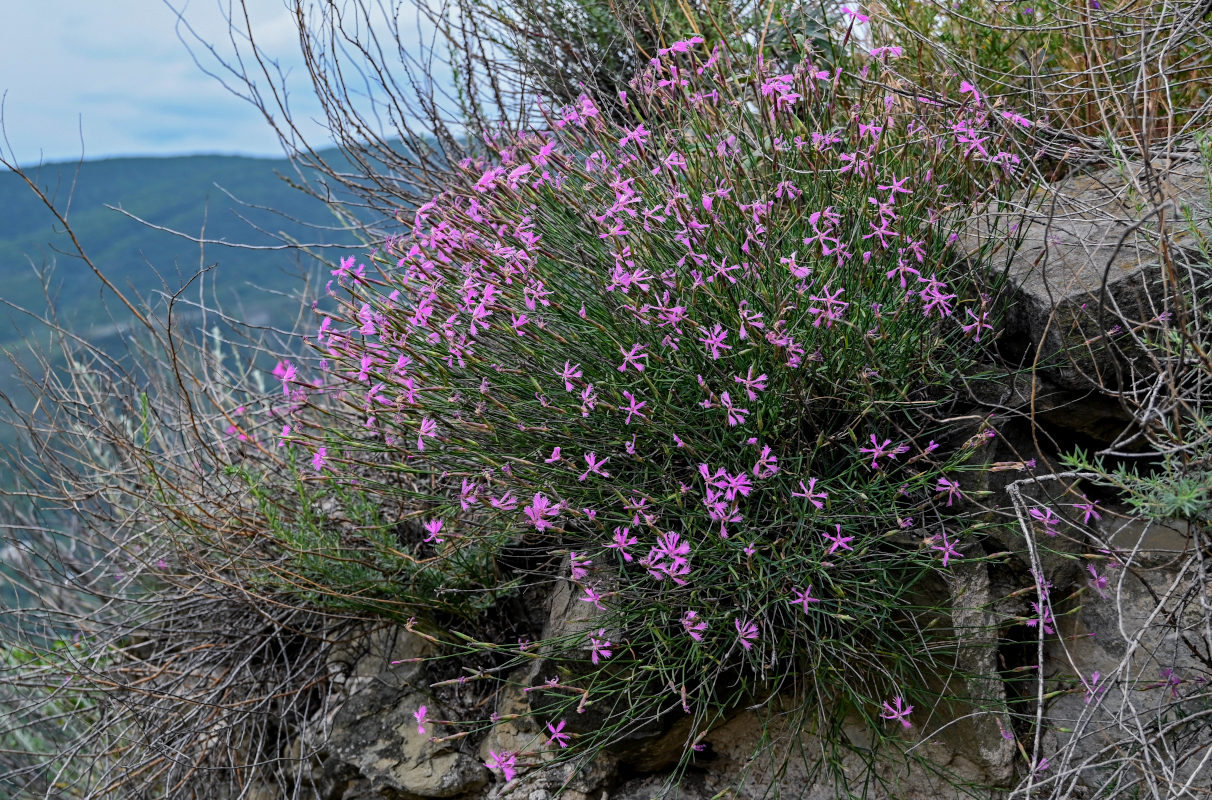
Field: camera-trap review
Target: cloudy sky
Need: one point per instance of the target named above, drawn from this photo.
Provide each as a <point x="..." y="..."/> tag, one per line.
<point x="114" y="78"/>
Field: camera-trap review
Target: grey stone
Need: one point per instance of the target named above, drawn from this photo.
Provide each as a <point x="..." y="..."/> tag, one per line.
<point x="1147" y="641"/>
<point x="569" y="616"/>
<point x="773" y="752"/>
<point x="376" y="734"/>
<point x="379" y="648"/>
<point x="1060" y="245"/>
<point x="975" y="726"/>
<point x="570" y="780"/>
<point x="516" y="729"/>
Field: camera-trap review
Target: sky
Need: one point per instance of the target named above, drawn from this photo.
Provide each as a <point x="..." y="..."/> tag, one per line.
<point x="108" y="78"/>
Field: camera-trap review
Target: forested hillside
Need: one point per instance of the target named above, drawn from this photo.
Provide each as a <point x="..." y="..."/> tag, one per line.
<point x="237" y="200"/>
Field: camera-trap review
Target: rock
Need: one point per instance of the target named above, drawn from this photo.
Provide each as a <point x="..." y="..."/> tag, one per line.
<point x="571" y="780"/>
<point x="568" y="616"/>
<point x="1071" y="238"/>
<point x="1147" y="641"/>
<point x="651" y="744"/>
<point x="1155" y="544"/>
<point x="974" y="727"/>
<point x="260" y="790"/>
<point x="376" y="649"/>
<point x="376" y="734"/>
<point x="516" y="730"/>
<point x="760" y="753"/>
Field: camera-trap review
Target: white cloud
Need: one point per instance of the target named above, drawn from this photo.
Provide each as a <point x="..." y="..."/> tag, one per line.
<point x="115" y="74"/>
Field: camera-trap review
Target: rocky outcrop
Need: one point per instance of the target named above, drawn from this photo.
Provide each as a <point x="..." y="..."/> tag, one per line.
<point x="376" y="735"/>
<point x="1135" y="654"/>
<point x="1084" y="263"/>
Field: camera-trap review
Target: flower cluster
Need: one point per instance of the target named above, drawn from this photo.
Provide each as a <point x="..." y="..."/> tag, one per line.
<point x="694" y="348"/>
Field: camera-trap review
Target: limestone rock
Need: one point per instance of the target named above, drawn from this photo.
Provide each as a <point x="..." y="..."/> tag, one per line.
<point x="376" y="734"/>
<point x="568" y="615"/>
<point x="375" y="649"/>
<point x="1061" y="245"/>
<point x="1146" y="706"/>
<point x="979" y="721"/>
<point x="774" y="747"/>
<point x="572" y="780"/>
<point x="516" y="729"/>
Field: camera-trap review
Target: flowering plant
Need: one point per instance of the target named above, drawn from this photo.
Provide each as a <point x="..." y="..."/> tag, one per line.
<point x="693" y="363"/>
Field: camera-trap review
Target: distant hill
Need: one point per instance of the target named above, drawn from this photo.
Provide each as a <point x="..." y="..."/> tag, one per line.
<point x="222" y="198"/>
<point x="198" y="195"/>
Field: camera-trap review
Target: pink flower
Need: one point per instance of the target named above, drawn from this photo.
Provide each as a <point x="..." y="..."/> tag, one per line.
<point x="849" y="12"/>
<point x="592" y="596"/>
<point x="898" y="711"/>
<point x="897" y="184"/>
<point x="343" y="269"/>
<point x="977" y="325"/>
<point x="1092" y="687"/>
<point x="600" y="647"/>
<point x="568" y="374"/>
<point x="579" y="564"/>
<point x="556" y="734"/>
<point x="1089" y="510"/>
<point x="736" y="414"/>
<point x="419" y="714"/>
<point x="933" y="298"/>
<point x="947" y="549"/>
<point x="672" y="162"/>
<point x="669" y="558"/>
<point x="714" y="341"/>
<point x="968" y="88"/>
<point x="428" y="428"/>
<point x="693" y="625"/>
<point x="540" y="510"/>
<point x="837" y="541"/>
<point x="951" y="488"/>
<point x="810" y="494"/>
<point x="506" y="502"/>
<point x="831" y="309"/>
<point x="747" y="632"/>
<point x="367" y="317"/>
<point x="736" y="484"/>
<point x="595" y="467"/>
<point x="319" y="458"/>
<point x="1048" y="517"/>
<point x="1097" y="582"/>
<point x="622" y="541"/>
<point x="637" y="135"/>
<point x="631" y="358"/>
<point x="504" y="762"/>
<point x="286" y="372"/>
<point x="879" y="451"/>
<point x="752" y="385"/>
<point x="1044" y="620"/>
<point x="633" y="407"/>
<point x="433" y="527"/>
<point x="767" y="464"/>
<point x="468" y="491"/>
<point x="803" y="597"/>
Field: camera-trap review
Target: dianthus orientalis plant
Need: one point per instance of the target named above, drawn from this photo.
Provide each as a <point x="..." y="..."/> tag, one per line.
<point x="697" y="365"/>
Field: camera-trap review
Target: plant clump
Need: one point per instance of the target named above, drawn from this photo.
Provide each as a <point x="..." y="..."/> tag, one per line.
<point x="695" y="363"/>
